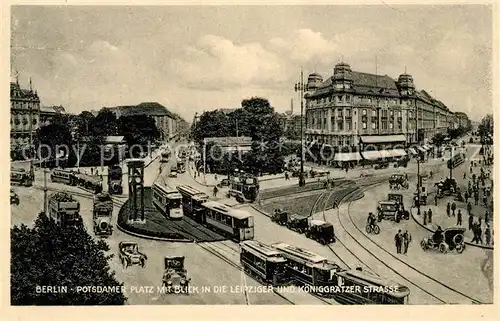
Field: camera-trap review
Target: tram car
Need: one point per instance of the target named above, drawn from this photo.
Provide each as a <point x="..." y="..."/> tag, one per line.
<point x="64" y="176"/>
<point x="168" y="201"/>
<point x="263" y="262"/>
<point x="234" y="223"/>
<point x="19" y="176"/>
<point x="191" y="202"/>
<point x="307" y="268"/>
<point x="374" y="289"/>
<point x="243" y="187"/>
<point x="115" y="173"/>
<point x="90" y="182"/>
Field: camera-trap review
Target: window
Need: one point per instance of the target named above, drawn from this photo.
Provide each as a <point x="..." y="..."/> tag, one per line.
<point x="374" y="113"/>
<point x="399" y="113"/>
<point x="348" y="98"/>
<point x="374" y="125"/>
<point x="349" y="125"/>
<point x="391" y="125"/>
<point x="364" y="112"/>
<point x="364" y="125"/>
<point x="355" y="126"/>
<point x="340" y="125"/>
<point x="392" y="113"/>
<point x="348" y="112"/>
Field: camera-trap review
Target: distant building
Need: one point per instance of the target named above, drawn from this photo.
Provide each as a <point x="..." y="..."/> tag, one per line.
<point x="463" y="120"/>
<point x="48" y="112"/>
<point x="24" y="115"/>
<point x="166" y="121"/>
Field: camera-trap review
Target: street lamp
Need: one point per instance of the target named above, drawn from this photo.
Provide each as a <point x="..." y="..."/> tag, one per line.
<point x="301" y="87"/>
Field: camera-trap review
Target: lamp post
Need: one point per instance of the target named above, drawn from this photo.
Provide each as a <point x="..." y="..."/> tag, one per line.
<point x="301" y="87"/>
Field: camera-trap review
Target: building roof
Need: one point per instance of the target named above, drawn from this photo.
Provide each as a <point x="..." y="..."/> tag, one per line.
<point x="115" y="139"/>
<point x="17" y="92"/>
<point x="52" y="110"/>
<point x="145" y="108"/>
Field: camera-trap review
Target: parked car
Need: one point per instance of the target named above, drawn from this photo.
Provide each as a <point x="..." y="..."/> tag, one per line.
<point x="175" y="275"/>
<point x="14" y="198"/>
<point x="297" y="223"/>
<point x="280" y="217"/>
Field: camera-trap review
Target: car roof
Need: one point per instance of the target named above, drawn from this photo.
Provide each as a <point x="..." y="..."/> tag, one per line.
<point x="457" y="229"/>
<point x="128" y="243"/>
<point x="387" y="202"/>
<point x="316" y="222"/>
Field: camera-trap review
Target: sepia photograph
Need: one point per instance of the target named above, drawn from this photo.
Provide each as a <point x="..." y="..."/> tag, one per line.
<point x="251" y="155"/>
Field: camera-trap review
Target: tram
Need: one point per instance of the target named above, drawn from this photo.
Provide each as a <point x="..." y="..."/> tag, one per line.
<point x="307" y="268"/>
<point x="237" y="224"/>
<point x="115" y="173"/>
<point x="168" y="201"/>
<point x="263" y="262"/>
<point x="19" y="176"/>
<point x="192" y="199"/>
<point x="64" y="176"/>
<point x="374" y="289"/>
<point x="243" y="187"/>
<point x="456" y="160"/>
<point x="90" y="182"/>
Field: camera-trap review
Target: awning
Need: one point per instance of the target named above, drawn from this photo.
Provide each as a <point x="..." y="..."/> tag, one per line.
<point x="397" y="152"/>
<point x="420" y="148"/>
<point x="371" y="155"/>
<point x="372" y="139"/>
<point x="412" y="151"/>
<point x="385" y="153"/>
<point x="346" y="157"/>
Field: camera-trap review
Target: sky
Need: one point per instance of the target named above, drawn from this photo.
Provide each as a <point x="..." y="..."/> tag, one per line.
<point x="198" y="58"/>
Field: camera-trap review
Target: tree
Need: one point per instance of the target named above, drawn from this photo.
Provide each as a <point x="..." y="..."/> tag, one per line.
<point x="211" y="124"/>
<point x="138" y="130"/>
<point x="48" y="255"/>
<point x="438" y="139"/>
<point x="52" y="138"/>
<point x="104" y="124"/>
<point x="485" y="128"/>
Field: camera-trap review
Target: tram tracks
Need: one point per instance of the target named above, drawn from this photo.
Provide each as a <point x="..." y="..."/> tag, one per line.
<point x="429" y="286"/>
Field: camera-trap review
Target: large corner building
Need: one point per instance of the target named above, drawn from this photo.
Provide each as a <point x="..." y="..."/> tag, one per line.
<point x="353" y="108"/>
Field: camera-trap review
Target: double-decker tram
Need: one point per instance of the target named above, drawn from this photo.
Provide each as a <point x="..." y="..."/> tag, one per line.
<point x="244" y="187"/>
<point x="168" y="201"/>
<point x="115" y="173"/>
<point x="63" y="176"/>
<point x="237" y="224"/>
<point x="191" y="202"/>
<point x="263" y="262"/>
<point x="372" y="289"/>
<point x="307" y="268"/>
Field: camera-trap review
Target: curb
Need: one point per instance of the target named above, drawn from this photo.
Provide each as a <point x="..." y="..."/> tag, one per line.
<point x="142" y="236"/>
<point x="432" y="231"/>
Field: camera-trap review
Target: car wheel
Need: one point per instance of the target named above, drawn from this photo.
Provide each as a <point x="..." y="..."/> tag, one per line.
<point x="460" y="247"/>
<point x="443" y="248"/>
<point x="368" y="229"/>
<point x="423" y="245"/>
<point x="376" y="229"/>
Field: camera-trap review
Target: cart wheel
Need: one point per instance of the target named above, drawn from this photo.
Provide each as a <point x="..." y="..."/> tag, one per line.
<point x="423" y="245"/>
<point x="368" y="229"/>
<point x="376" y="229"/>
<point x="460" y="248"/>
<point x="443" y="248"/>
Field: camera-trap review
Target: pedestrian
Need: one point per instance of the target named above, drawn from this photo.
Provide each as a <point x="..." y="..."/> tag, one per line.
<point x="429" y="215"/>
<point x="474" y="231"/>
<point x="435" y="200"/>
<point x="398" y="239"/>
<point x="476" y="198"/>
<point x="471" y="222"/>
<point x="459" y="218"/>
<point x="215" y="190"/>
<point x="448" y="208"/>
<point x="465" y="175"/>
<point x="425" y="217"/>
<point x="215" y="176"/>
<point x="453" y="208"/>
<point x="487" y="234"/>
<point x="406" y="241"/>
<point x="479" y="234"/>
<point x="486" y="217"/>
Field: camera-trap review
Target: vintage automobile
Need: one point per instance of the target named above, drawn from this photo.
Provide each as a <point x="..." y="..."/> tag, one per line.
<point x="447" y="186"/>
<point x="382" y="165"/>
<point x="224" y="183"/>
<point x="320" y="231"/>
<point x="175" y="275"/>
<point x="173" y="172"/>
<point x="280" y="217"/>
<point x="452" y="239"/>
<point x="14" y="198"/>
<point x="397" y="181"/>
<point x="388" y="210"/>
<point x="297" y="223"/>
<point x="398" y="198"/>
<point x="129" y="254"/>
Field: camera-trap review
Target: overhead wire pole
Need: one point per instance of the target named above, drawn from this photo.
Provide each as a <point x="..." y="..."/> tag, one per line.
<point x="301" y="87"/>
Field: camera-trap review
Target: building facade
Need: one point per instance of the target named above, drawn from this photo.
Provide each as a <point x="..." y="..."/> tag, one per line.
<point x="350" y="105"/>
<point x="24" y="115"/>
<point x="166" y="122"/>
<point x="463" y="120"/>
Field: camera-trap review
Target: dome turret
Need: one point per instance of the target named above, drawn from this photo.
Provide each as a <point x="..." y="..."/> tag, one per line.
<point x="314" y="81"/>
<point x="405" y="84"/>
<point x="342" y="71"/>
